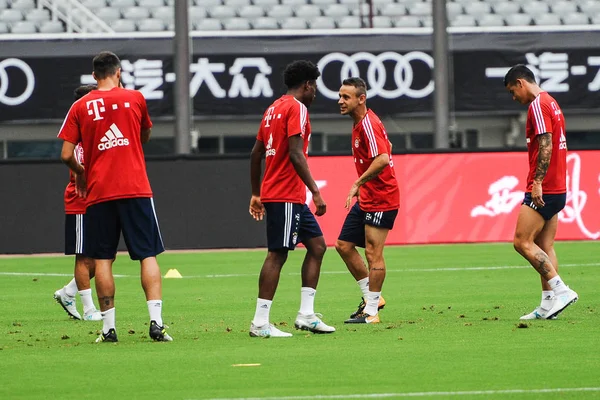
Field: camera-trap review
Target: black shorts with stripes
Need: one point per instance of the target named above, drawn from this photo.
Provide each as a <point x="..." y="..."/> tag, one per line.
<point x="353" y="230"/>
<point x="74" y="228"/>
<point x="289" y="224"/>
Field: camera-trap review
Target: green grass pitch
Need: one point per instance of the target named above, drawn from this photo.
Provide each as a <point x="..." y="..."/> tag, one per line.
<point x="450" y="329"/>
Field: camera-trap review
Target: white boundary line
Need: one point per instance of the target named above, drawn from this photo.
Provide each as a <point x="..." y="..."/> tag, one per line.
<point x="421" y="394"/>
<point x="448" y="269"/>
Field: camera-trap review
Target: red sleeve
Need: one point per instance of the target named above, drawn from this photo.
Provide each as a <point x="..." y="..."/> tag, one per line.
<point x="375" y="137"/>
<point x="146" y="122"/>
<point x="541" y="116"/>
<point x="69" y="130"/>
<point x="296" y="119"/>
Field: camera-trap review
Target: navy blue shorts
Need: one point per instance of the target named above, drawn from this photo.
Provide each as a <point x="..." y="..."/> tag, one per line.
<point x="74" y="224"/>
<point x="137" y="220"/>
<point x="353" y="230"/>
<point x="553" y="204"/>
<point x="289" y="224"/>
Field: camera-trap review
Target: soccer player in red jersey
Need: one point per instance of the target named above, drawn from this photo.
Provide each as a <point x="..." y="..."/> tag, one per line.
<point x="283" y="137"/>
<point x="74" y="229"/>
<point x="546" y="192"/>
<point x="112" y="123"/>
<point x="370" y="219"/>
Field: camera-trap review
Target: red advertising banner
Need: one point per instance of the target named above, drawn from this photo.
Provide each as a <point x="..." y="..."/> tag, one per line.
<point x="473" y="197"/>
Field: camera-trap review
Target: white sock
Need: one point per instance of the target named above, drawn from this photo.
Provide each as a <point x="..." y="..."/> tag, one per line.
<point x="71" y="288"/>
<point x="546" y="303"/>
<point x="372" y="303"/>
<point x="108" y="320"/>
<point x="307" y="301"/>
<point x="363" y="284"/>
<point x="557" y="285"/>
<point x="155" y="311"/>
<point x="263" y="308"/>
<point x="86" y="299"/>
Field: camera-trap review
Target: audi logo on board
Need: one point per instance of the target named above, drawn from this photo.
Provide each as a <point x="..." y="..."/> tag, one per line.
<point x="391" y="82"/>
<point x="24" y="92"/>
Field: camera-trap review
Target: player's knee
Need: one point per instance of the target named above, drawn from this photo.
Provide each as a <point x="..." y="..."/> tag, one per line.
<point x="318" y="248"/>
<point x="343" y="247"/>
<point x="520" y="244"/>
<point x="373" y="255"/>
<point x="277" y="258"/>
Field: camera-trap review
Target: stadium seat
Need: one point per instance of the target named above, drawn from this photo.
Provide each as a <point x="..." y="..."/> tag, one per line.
<point x="208" y="3"/>
<point x="38" y="15"/>
<point x="382" y="21"/>
<point x="336" y="11"/>
<point x="236" y="24"/>
<point x="108" y="14"/>
<point x="94" y="4"/>
<point x="151" y="25"/>
<point x="591" y="8"/>
<point x="547" y="20"/>
<point x="280" y="12"/>
<point x="196" y="13"/>
<point x="426" y="21"/>
<point x="323" y="3"/>
<point x="308" y="11"/>
<point x="3" y="27"/>
<point x="407" y="21"/>
<point x="295" y="3"/>
<point x="251" y="12"/>
<point x="490" y="20"/>
<point x="463" y="20"/>
<point x="208" y="24"/>
<point x="136" y="13"/>
<point x="575" y="19"/>
<point x="535" y="8"/>
<point x="167" y="14"/>
<point x="151" y="3"/>
<point x="11" y="15"/>
<point x="23" y="27"/>
<point x="221" y="12"/>
<point x="419" y="9"/>
<point x="321" y="23"/>
<point x="294" y="23"/>
<point x="266" y="3"/>
<point x="563" y="7"/>
<point x="121" y="3"/>
<point x="51" y="27"/>
<point x="518" y="20"/>
<point x="453" y="9"/>
<point x="265" y="23"/>
<point x="22" y="5"/>
<point x="478" y="9"/>
<point x="392" y="10"/>
<point x="236" y="3"/>
<point x="506" y="8"/>
<point x="3" y="4"/>
<point x="123" y="25"/>
<point x="353" y="3"/>
<point x="349" y="22"/>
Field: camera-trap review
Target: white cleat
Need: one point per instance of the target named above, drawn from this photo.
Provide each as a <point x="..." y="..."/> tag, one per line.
<point x="267" y="330"/>
<point x="67" y="302"/>
<point x="562" y="301"/>
<point x="538" y="313"/>
<point x="312" y="323"/>
<point x="93" y="315"/>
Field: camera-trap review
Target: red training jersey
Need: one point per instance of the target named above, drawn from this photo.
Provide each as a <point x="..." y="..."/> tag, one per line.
<point x="73" y="203"/>
<point x="545" y="116"/>
<point x="369" y="139"/>
<point x="284" y="118"/>
<point x="108" y="124"/>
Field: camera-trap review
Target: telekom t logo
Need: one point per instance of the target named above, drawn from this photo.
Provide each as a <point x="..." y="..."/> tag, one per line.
<point x="97" y="107"/>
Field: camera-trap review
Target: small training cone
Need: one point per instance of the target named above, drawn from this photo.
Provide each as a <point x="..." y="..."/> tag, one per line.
<point x="173" y="273"/>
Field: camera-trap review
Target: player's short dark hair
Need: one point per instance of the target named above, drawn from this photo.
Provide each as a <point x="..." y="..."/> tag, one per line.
<point x="106" y="64"/>
<point x="519" y="71"/>
<point x="298" y="72"/>
<point x="83" y="90"/>
<point x="358" y="83"/>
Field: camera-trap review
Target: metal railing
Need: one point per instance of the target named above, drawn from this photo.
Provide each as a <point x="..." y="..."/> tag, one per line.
<point x="76" y="17"/>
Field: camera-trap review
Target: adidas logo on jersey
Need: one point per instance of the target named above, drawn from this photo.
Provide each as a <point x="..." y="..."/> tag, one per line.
<point x="270" y="150"/>
<point x="563" y="142"/>
<point x="112" y="138"/>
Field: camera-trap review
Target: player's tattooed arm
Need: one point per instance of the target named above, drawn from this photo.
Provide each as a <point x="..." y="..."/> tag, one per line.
<point x="544" y="155"/>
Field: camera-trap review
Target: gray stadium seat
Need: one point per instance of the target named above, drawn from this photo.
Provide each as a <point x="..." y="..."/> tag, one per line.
<point x="280" y="12"/>
<point x="23" y="27"/>
<point x="349" y="22"/>
<point x="51" y="27"/>
<point x="547" y="20"/>
<point x="151" y="25"/>
<point x="11" y="15"/>
<point x="321" y="23"/>
<point x="294" y="23"/>
<point x="518" y="20"/>
<point x="463" y="2"/>
<point x="151" y="3"/>
<point x="453" y="9"/>
<point x="136" y="13"/>
<point x="491" y="20"/>
<point x="251" y="12"/>
<point x="265" y="23"/>
<point x="208" y="24"/>
<point x="336" y="11"/>
<point x="121" y="3"/>
<point x="478" y="9"/>
<point x="38" y="15"/>
<point x="3" y="27"/>
<point x="94" y="4"/>
<point x="108" y="14"/>
<point x="419" y="9"/>
<point x="3" y="4"/>
<point x="535" y="8"/>
<point x="236" y="3"/>
<point x="207" y="3"/>
<point x="221" y="12"/>
<point x="22" y="5"/>
<point x="166" y="13"/>
<point x="123" y="25"/>
<point x="426" y="21"/>
<point x="323" y="3"/>
<point x="350" y="2"/>
<point x="308" y="11"/>
<point x="563" y="7"/>
<point x="506" y="8"/>
<point x="407" y="21"/>
<point x="521" y="2"/>
<point x="392" y="10"/>
<point x="236" y="24"/>
<point x="196" y="13"/>
<point x="590" y="8"/>
<point x="382" y="21"/>
<point x="575" y="19"/>
<point x="266" y="3"/>
<point x="463" y="20"/>
<point x="295" y="3"/>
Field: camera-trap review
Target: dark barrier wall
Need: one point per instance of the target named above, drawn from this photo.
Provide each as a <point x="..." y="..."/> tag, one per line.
<point x="200" y="204"/>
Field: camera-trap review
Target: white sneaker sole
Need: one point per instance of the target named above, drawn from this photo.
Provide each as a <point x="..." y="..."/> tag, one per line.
<point x="555" y="314"/>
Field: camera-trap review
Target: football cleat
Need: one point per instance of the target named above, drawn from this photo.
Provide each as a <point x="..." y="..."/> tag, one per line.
<point x="159" y="333"/>
<point x="538" y="313"/>
<point x="67" y="303"/>
<point x="363" y="318"/>
<point x="312" y="323"/>
<point x="267" y="330"/>
<point x="110" y="336"/>
<point x="561" y="301"/>
<point x="363" y="304"/>
<point x="92" y="315"/>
